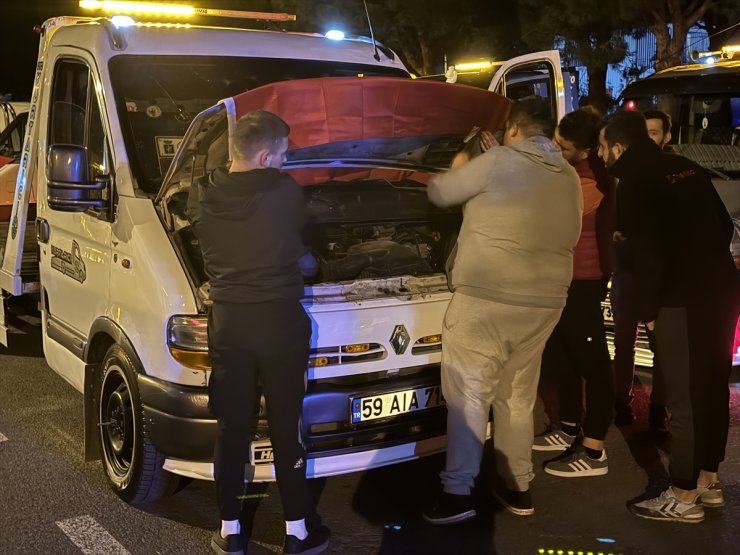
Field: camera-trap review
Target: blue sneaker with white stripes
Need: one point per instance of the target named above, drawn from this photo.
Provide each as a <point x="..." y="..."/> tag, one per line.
<point x="575" y="463"/>
<point x="556" y="440"/>
<point x="668" y="507"/>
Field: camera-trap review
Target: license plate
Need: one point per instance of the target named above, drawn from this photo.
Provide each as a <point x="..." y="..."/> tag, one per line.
<point x="373" y="407"/>
<point x="606" y="310"/>
<point x="262" y="453"/>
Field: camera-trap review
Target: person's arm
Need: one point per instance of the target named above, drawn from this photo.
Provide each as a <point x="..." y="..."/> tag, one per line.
<point x="459" y="185"/>
<point x="192" y="209"/>
<point x="297" y="215"/>
<point x="646" y="241"/>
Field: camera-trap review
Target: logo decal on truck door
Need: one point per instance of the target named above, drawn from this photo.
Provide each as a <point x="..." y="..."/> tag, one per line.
<point x="69" y="263"/>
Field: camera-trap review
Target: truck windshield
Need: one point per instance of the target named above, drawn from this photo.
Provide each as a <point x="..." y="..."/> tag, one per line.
<point x="705" y="127"/>
<point x="158" y="96"/>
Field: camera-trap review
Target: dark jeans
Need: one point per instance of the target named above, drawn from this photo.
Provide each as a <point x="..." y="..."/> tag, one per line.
<point x="577" y="352"/>
<point x="626" y="322"/>
<point x="268" y="342"/>
<point x="694" y="346"/>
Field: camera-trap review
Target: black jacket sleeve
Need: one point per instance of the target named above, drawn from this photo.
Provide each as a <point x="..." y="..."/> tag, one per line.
<point x="647" y="243"/>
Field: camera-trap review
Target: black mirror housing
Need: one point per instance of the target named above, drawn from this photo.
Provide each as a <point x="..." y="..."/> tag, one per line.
<point x="69" y="185"/>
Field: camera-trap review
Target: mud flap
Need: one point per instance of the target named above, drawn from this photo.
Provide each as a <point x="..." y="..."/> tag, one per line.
<point x="3" y="320"/>
<point x="90" y="414"/>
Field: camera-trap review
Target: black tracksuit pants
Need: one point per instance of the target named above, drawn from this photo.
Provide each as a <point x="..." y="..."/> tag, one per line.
<point x="268" y="342"/>
<point x="694" y="345"/>
<point x="577" y="352"/>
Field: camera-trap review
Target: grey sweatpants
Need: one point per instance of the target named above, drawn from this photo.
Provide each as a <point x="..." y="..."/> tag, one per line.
<point x="491" y="355"/>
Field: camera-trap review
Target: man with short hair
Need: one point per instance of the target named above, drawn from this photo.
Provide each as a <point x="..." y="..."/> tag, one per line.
<point x="625" y="317"/>
<point x="675" y="231"/>
<point x="658" y="126"/>
<point x="248" y="219"/>
<point x="577" y="351"/>
<point x="510" y="275"/>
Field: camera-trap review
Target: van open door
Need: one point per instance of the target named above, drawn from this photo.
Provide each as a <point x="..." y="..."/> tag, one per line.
<point x="536" y="74"/>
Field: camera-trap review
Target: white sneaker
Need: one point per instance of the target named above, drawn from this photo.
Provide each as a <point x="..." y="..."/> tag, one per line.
<point x="711" y="495"/>
<point x="667" y="506"/>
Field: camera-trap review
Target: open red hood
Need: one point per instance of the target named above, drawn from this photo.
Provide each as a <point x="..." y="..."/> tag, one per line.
<point x="328" y="110"/>
<point x="346" y="128"/>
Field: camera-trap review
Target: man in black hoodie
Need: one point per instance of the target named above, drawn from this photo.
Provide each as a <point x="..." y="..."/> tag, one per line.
<point x="676" y="230"/>
<point x="248" y="219"/>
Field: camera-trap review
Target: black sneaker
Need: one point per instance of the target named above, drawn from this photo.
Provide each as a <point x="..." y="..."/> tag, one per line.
<point x="658" y="419"/>
<point x="450" y="509"/>
<point x="233" y="544"/>
<point x="516" y="502"/>
<point x="316" y="542"/>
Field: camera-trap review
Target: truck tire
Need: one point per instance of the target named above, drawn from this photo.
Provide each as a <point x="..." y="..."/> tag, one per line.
<point x="132" y="464"/>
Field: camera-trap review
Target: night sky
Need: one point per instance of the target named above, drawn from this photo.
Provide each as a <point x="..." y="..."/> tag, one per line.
<point x="19" y="44"/>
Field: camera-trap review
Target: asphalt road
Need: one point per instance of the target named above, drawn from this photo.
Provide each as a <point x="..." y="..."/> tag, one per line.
<point x="51" y="501"/>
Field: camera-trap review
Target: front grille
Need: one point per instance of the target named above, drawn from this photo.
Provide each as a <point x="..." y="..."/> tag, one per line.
<point x="343" y="354"/>
<point x="422" y="348"/>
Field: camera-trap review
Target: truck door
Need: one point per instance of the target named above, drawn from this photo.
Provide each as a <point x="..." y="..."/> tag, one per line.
<point x="536" y="74"/>
<point x="74" y="247"/>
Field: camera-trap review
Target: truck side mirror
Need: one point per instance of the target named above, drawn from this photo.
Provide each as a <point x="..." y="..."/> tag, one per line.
<point x="69" y="185"/>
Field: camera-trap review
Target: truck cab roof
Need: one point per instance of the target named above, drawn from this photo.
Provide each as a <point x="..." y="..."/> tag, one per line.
<point x="98" y="34"/>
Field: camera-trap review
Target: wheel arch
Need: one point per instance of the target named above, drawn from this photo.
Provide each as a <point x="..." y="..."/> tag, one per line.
<point x="103" y="333"/>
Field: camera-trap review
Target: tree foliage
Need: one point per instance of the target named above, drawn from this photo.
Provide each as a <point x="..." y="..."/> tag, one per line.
<point x="669" y="21"/>
<point x="722" y="23"/>
<point x="590" y="32"/>
<point x="426" y="32"/>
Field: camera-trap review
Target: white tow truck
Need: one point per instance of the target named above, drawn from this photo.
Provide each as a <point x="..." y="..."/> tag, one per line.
<point x="119" y="279"/>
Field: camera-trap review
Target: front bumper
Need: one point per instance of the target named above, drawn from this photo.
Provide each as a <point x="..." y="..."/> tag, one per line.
<point x="182" y="428"/>
<point x="325" y="466"/>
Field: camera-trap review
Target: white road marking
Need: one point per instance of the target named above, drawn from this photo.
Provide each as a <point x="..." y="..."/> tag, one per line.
<point x="3" y="438"/>
<point x="91" y="537"/>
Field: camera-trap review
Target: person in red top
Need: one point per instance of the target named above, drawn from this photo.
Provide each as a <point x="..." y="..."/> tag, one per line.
<point x="577" y="350"/>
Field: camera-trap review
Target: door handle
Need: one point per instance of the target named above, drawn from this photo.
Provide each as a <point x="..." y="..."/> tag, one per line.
<point x="42" y="230"/>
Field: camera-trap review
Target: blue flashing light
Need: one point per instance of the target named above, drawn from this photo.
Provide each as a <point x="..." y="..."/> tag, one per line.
<point x="121" y="21"/>
<point x="335" y="34"/>
<point x="710" y="60"/>
<point x="606" y="540"/>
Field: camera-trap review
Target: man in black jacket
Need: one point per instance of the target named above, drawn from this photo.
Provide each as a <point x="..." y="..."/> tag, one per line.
<point x="677" y="232"/>
<point x="248" y="219"/>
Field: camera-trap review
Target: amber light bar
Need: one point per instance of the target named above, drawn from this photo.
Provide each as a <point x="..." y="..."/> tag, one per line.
<point x="176" y="10"/>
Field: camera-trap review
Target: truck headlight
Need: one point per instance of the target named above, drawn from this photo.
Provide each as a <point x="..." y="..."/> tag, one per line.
<point x="187" y="339"/>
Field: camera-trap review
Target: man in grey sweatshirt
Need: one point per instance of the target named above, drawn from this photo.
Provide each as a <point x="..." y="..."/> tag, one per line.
<point x="513" y="264"/>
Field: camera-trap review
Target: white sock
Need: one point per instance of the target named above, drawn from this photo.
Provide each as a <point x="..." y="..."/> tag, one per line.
<point x="296" y="528"/>
<point x="229" y="527"/>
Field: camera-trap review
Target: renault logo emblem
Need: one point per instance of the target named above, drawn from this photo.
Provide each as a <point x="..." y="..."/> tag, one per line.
<point x="400" y="339"/>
